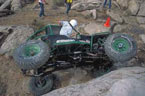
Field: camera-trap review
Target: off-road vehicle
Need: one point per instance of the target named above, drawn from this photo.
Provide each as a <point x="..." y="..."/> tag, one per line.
<point x="46" y="51"/>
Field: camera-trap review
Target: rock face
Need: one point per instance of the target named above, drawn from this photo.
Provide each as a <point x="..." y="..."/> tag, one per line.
<point x="115" y="16"/>
<point x="127" y="87"/>
<point x="123" y="3"/>
<point x="141" y="20"/>
<point x="120" y="28"/>
<point x="142" y="9"/>
<point x="93" y="28"/>
<point x="133" y="6"/>
<point x="122" y="11"/>
<point x="102" y="86"/>
<point x="86" y="5"/>
<point x="94" y="13"/>
<point x="142" y="37"/>
<point x="16" y="5"/>
<point x="5" y="5"/>
<point x="2" y="1"/>
<point x="14" y="35"/>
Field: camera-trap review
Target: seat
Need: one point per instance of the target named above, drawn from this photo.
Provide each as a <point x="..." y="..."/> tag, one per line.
<point x="53" y="38"/>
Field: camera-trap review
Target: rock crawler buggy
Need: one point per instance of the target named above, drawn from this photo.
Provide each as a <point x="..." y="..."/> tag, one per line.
<point x="46" y="51"/>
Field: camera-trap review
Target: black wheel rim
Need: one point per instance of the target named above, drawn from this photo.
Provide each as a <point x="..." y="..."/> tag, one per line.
<point x="40" y="83"/>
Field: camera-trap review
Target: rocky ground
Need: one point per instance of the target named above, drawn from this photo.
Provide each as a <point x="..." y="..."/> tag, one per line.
<point x="129" y="16"/>
<point x="124" y="82"/>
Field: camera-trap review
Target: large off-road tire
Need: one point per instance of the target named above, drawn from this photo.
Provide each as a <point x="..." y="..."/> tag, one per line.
<point x="38" y="88"/>
<point x="31" y="54"/>
<point x="120" y="47"/>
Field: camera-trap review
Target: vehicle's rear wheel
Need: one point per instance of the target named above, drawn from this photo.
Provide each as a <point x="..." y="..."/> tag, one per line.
<point x="31" y="54"/>
<point x="41" y="85"/>
<point x="120" y="47"/>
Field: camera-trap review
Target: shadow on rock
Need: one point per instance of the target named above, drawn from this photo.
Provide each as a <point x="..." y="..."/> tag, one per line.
<point x="3" y="88"/>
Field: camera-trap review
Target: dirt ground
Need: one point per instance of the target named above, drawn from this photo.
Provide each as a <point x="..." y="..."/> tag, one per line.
<point x="12" y="81"/>
<point x="30" y="13"/>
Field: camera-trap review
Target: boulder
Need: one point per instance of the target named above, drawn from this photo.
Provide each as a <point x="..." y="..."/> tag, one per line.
<point x="133" y="7"/>
<point x="16" y="5"/>
<point x="5" y="12"/>
<point x="142" y="26"/>
<point x="86" y="5"/>
<point x="2" y="1"/>
<point x="93" y="28"/>
<point x="28" y="1"/>
<point x="4" y="32"/>
<point x="3" y="8"/>
<point x="86" y="14"/>
<point x="5" y="29"/>
<point x="115" y="16"/>
<point x="120" y="28"/>
<point x="141" y="20"/>
<point x="130" y="19"/>
<point x="101" y="86"/>
<point x="123" y="3"/>
<point x="135" y="29"/>
<point x="127" y="87"/>
<point x="5" y="5"/>
<point x="142" y="36"/>
<point x="142" y="10"/>
<point x="94" y="13"/>
<point x="16" y="35"/>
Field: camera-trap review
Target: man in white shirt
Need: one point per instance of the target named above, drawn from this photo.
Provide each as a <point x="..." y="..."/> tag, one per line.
<point x="67" y="27"/>
<point x="41" y="3"/>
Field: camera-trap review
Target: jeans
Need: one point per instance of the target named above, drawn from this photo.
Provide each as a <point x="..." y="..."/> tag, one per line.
<point x="41" y="9"/>
<point x="105" y="2"/>
<point x="68" y="6"/>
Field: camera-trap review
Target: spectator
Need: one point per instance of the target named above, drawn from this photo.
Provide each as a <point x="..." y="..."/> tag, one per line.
<point x="68" y="5"/>
<point x="41" y="3"/>
<point x="105" y="2"/>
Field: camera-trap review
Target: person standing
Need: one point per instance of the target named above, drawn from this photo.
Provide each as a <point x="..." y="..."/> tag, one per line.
<point x="105" y="2"/>
<point x="68" y="5"/>
<point x="41" y="3"/>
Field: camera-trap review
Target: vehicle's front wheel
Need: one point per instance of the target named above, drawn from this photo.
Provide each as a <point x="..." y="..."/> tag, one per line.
<point x="41" y="85"/>
<point x="120" y="47"/>
<point x="32" y="54"/>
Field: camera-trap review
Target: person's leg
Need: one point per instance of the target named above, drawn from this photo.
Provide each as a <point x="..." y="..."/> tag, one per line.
<point x="69" y="7"/>
<point x="41" y="9"/>
<point x="105" y="2"/>
<point x="110" y="4"/>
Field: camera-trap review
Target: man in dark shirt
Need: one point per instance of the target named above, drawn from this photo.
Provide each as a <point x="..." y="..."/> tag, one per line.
<point x="68" y="5"/>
